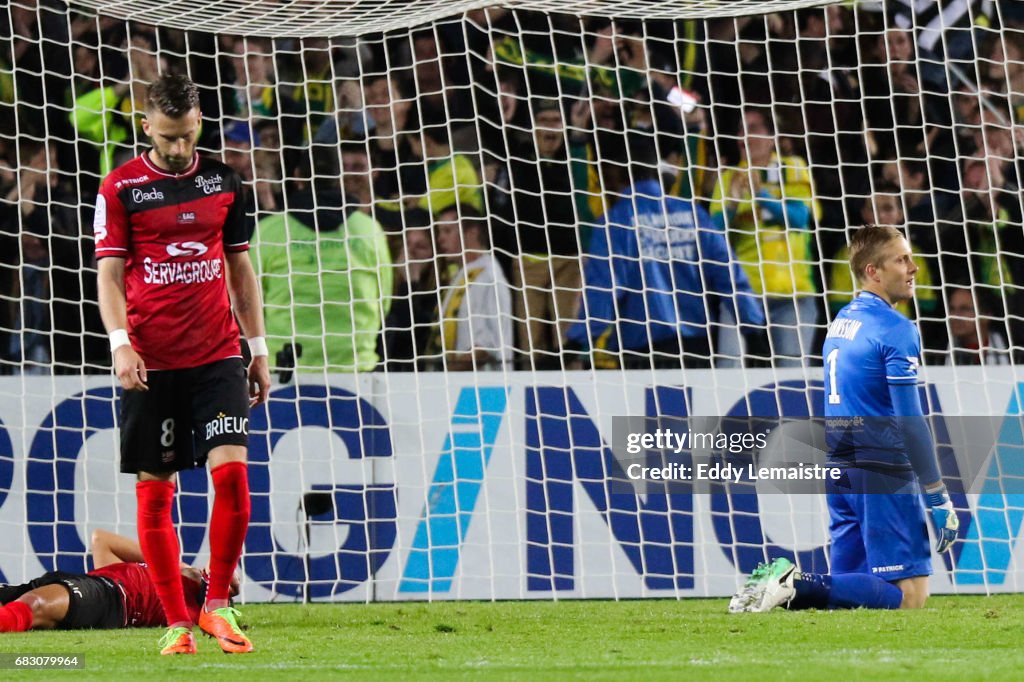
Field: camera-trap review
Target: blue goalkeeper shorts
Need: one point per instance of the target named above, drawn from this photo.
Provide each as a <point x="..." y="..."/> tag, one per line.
<point x="877" y="524"/>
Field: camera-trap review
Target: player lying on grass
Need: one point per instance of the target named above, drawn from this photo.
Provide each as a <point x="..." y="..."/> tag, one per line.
<point x="879" y="553"/>
<point x="118" y="593"/>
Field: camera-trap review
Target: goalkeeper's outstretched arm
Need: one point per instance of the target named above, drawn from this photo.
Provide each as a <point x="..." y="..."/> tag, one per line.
<point x="921" y="451"/>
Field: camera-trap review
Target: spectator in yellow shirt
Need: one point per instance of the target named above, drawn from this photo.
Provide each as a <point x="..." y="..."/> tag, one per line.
<point x="767" y="207"/>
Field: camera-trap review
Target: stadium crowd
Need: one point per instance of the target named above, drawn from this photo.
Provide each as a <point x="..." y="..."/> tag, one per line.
<point x="524" y="190"/>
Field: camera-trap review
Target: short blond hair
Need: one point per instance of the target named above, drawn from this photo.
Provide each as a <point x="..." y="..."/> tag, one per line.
<point x="866" y="247"/>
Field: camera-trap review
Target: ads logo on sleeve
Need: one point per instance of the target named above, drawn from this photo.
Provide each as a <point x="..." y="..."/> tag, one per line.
<point x="186" y="249"/>
<point x="99" y="219"/>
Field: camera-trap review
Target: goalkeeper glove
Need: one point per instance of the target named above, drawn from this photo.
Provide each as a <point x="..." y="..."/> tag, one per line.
<point x="947" y="524"/>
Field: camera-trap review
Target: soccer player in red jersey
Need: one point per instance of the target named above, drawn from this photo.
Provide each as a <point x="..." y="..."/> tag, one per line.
<point x="118" y="593"/>
<point x="173" y="277"/>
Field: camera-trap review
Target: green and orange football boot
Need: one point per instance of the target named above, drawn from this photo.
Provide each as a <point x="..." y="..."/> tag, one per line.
<point x="222" y="625"/>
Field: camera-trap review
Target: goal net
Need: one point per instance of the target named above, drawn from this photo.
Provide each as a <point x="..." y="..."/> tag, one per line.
<point x="499" y="246"/>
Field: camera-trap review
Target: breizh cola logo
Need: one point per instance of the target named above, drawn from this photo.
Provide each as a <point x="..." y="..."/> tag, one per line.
<point x="210" y="184"/>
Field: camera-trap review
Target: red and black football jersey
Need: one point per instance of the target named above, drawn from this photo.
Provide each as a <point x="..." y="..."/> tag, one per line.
<point x="173" y="231"/>
<point x="142" y="608"/>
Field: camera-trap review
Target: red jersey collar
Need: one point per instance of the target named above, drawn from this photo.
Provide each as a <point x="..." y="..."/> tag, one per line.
<point x="156" y="169"/>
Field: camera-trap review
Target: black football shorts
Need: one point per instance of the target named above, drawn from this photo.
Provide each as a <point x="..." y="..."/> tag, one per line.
<point x="184" y="414"/>
<point x="94" y="602"/>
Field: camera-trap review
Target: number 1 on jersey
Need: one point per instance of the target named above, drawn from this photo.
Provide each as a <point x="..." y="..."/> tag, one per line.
<point x="833" y="391"/>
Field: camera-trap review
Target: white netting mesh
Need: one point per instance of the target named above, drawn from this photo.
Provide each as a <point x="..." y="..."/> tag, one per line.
<point x="303" y="18"/>
<point x="394" y="479"/>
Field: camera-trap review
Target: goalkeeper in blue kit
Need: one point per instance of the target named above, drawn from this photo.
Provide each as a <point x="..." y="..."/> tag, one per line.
<point x="878" y="436"/>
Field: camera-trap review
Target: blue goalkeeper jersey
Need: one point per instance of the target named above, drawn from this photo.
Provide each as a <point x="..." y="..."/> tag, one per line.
<point x="869" y="346"/>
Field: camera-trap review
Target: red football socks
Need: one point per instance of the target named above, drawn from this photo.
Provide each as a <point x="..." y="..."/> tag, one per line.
<point x="160" y="547"/>
<point x="228" y="525"/>
<point x="16" y="617"/>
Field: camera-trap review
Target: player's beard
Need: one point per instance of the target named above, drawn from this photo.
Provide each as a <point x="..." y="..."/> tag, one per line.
<point x="177" y="163"/>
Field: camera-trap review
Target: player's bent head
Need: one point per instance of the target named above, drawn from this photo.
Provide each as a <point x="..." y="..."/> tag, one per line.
<point x="868" y="247"/>
<point x="172" y="121"/>
<point x="172" y="95"/>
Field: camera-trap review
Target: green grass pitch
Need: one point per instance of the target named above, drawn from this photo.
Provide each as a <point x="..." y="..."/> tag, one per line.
<point x="955" y="638"/>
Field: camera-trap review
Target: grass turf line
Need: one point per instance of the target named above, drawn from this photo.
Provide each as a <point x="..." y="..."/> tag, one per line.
<point x="956" y="638"/>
